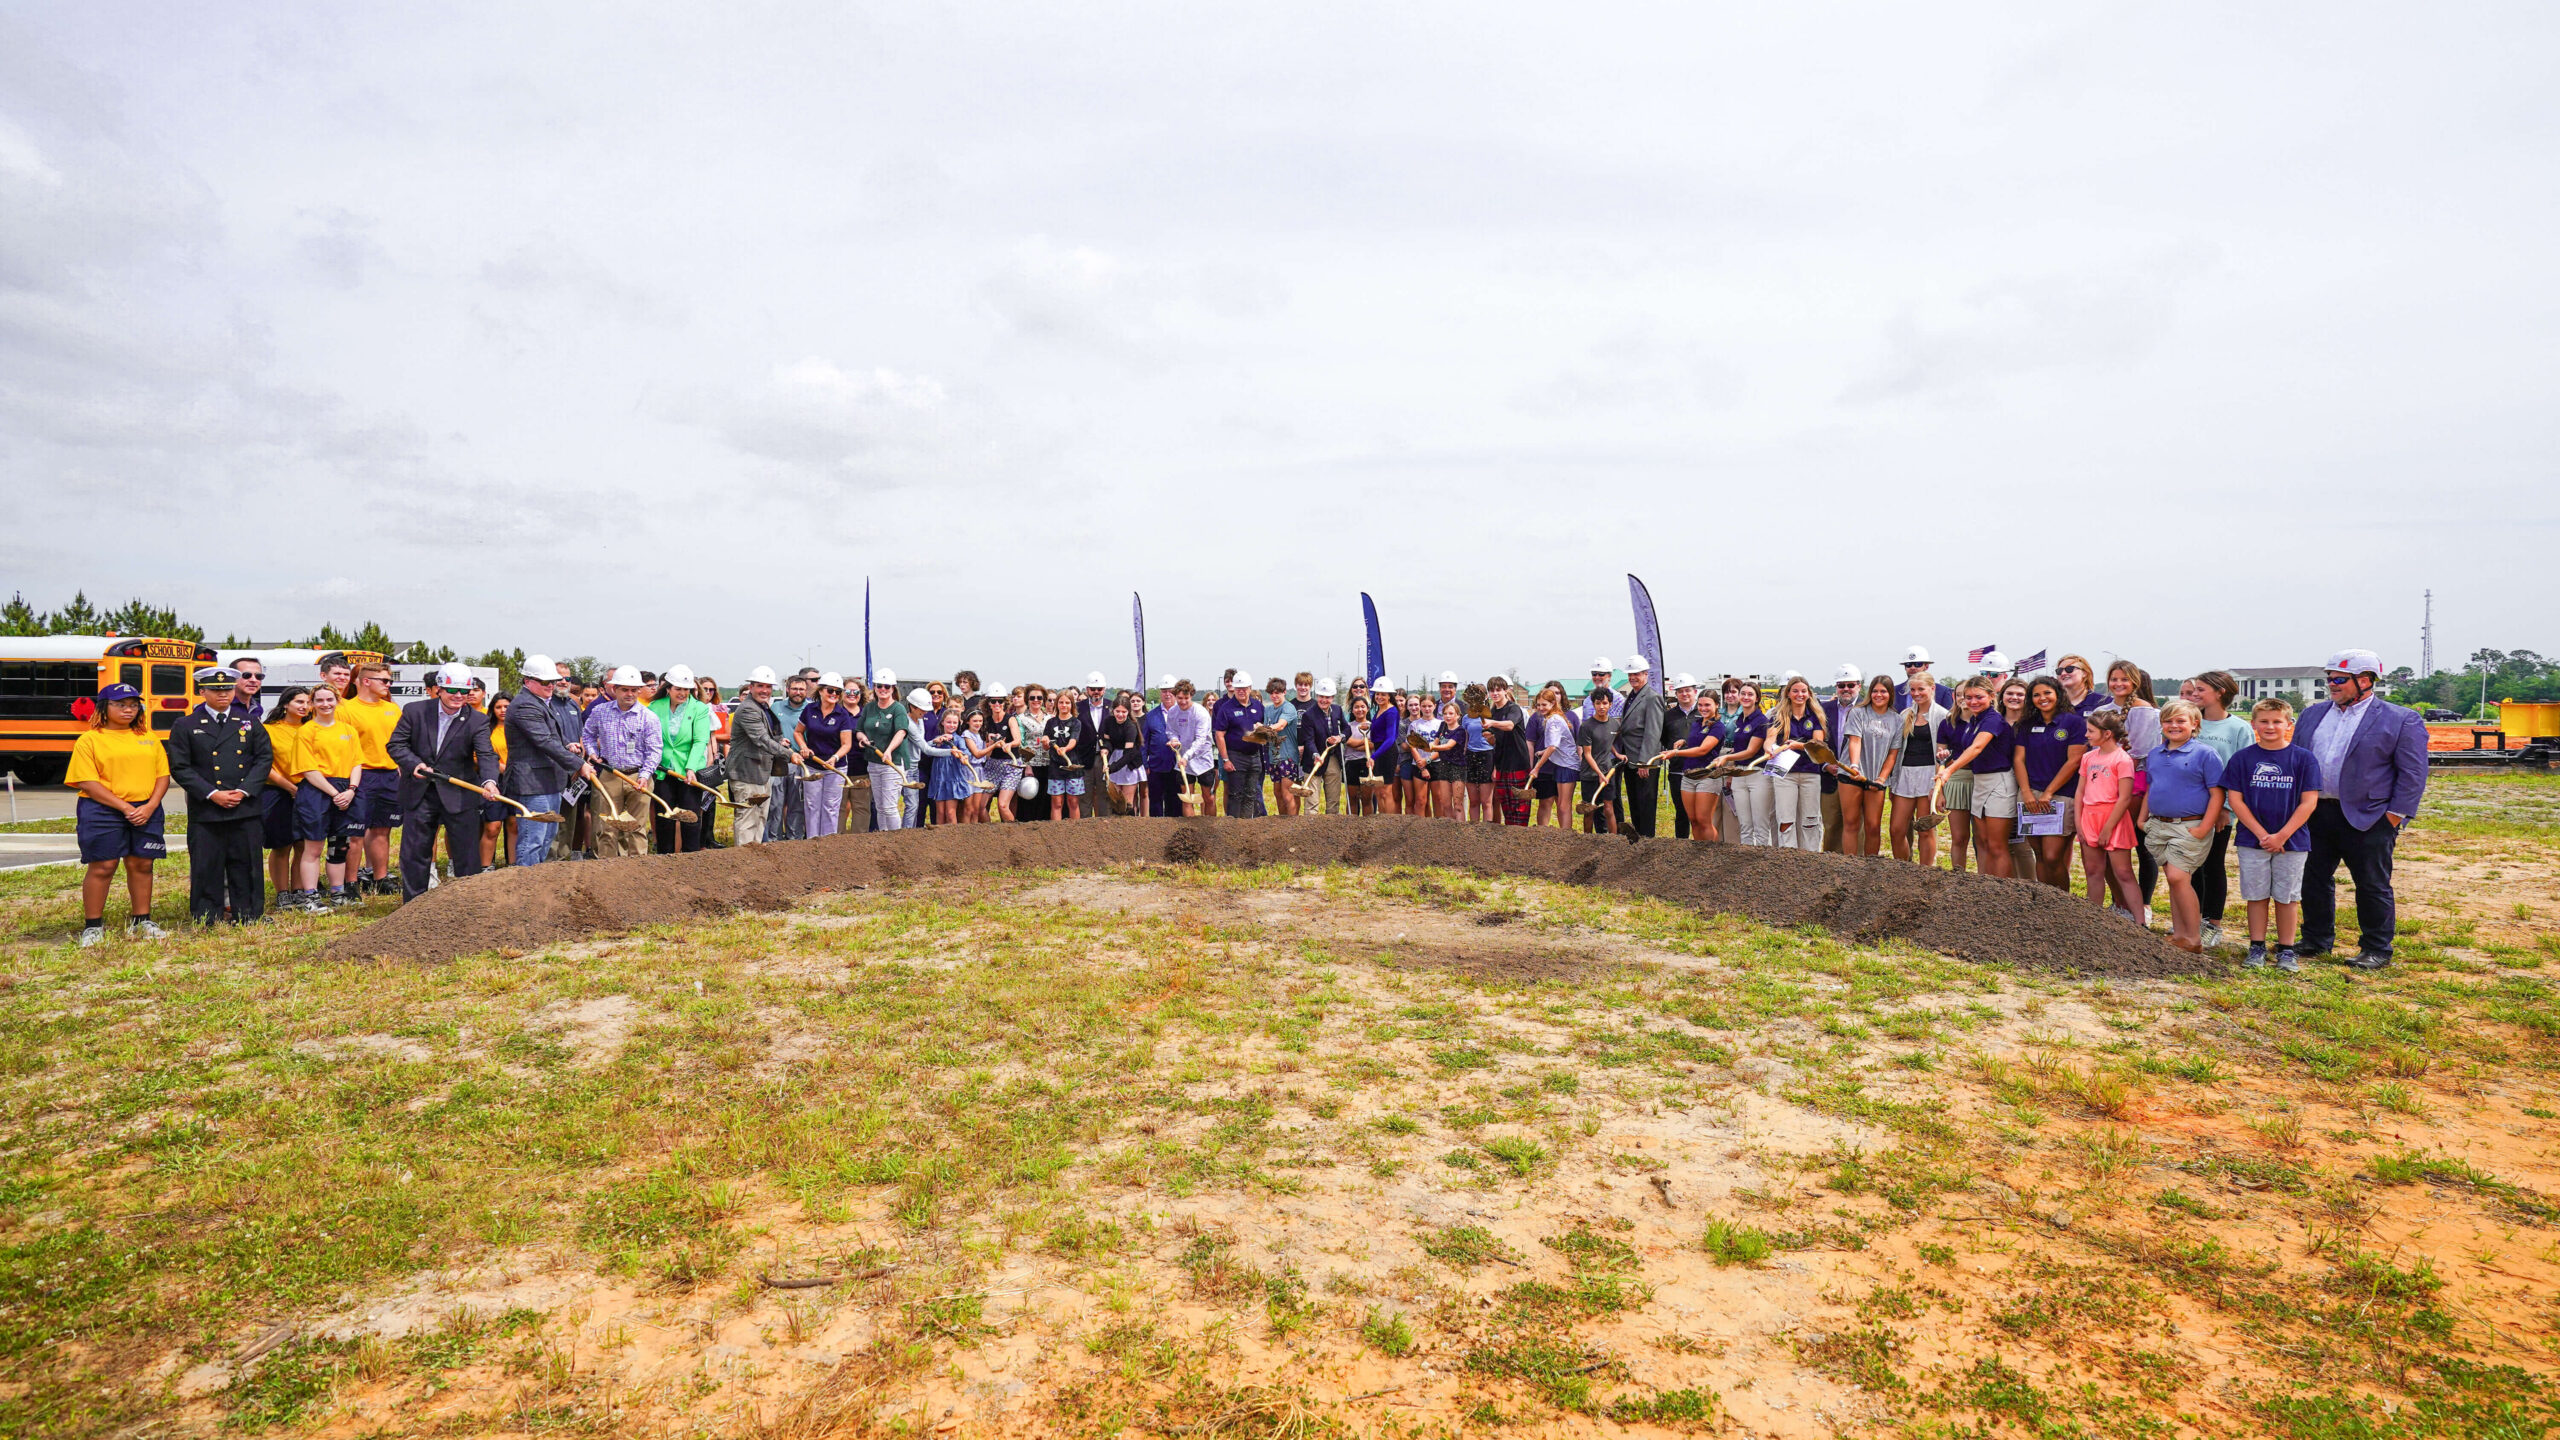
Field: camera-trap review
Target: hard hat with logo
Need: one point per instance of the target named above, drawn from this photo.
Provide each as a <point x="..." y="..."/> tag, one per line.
<point x="539" y="667"/>
<point x="762" y="675"/>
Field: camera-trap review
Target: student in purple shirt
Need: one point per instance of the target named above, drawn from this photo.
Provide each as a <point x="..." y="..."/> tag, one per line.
<point x="2048" y="773"/>
<point x="1990" y="754"/>
<point x="2274" y="789"/>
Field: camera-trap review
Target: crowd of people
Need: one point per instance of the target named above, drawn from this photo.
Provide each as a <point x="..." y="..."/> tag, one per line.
<point x="2023" y="772"/>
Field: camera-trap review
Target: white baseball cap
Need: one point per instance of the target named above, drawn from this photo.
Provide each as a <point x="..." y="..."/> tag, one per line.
<point x="1243" y="681"/>
<point x="1995" y="661"/>
<point x="624" y="675"/>
<point x="1847" y="675"/>
<point x="456" y="676"/>
<point x="539" y="667"/>
<point x="1448" y="677"/>
<point x="1638" y="665"/>
<point x="830" y="680"/>
<point x="1324" y="687"/>
<point x="920" y="698"/>
<point x="1916" y="655"/>
<point x="1094" y="677"/>
<point x="680" y="675"/>
<point x="762" y="675"/>
<point x="1684" y="681"/>
<point x="1601" y="666"/>
<point x="2356" y="662"/>
<point x="884" y="676"/>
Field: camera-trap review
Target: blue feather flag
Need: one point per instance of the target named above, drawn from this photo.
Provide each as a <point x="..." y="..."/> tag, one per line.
<point x="1648" y="630"/>
<point x="1138" y="623"/>
<point x="1377" y="655"/>
<point x="868" y="669"/>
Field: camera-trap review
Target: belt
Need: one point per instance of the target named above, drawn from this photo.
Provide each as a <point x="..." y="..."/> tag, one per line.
<point x="2178" y="819"/>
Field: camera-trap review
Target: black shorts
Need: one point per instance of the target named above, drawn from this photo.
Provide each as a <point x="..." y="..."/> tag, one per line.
<point x="276" y="819"/>
<point x="1545" y="784"/>
<point x="1479" y="767"/>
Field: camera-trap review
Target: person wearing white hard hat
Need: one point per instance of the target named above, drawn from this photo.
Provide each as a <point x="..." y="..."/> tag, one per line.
<point x="824" y="740"/>
<point x="1915" y="661"/>
<point x="1234" y="720"/>
<point x="1320" y="737"/>
<point x="447" y="770"/>
<point x="1093" y="707"/>
<point x="1641" y="719"/>
<point x="542" y="756"/>
<point x="1602" y="672"/>
<point x="1995" y="668"/>
<point x="756" y="751"/>
<point x="684" y="752"/>
<point x="919" y="714"/>
<point x="622" y="741"/>
<point x="1835" y="711"/>
<point x="882" y="741"/>
<point x="2372" y="759"/>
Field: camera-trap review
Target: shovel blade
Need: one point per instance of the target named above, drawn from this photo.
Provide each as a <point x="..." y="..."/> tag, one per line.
<point x="544" y="817"/>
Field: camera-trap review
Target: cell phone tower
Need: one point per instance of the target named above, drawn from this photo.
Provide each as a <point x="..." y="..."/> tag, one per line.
<point x="2427" y="639"/>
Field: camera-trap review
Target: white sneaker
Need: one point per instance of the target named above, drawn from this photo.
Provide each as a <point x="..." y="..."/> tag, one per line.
<point x="2212" y="935"/>
<point x="145" y="930"/>
<point x="89" y="937"/>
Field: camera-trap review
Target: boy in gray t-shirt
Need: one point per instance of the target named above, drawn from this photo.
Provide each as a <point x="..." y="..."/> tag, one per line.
<point x="1598" y="738"/>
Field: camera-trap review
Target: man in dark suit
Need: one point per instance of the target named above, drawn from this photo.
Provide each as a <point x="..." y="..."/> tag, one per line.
<point x="542" y="757"/>
<point x="219" y="754"/>
<point x="2373" y="773"/>
<point x="439" y="739"/>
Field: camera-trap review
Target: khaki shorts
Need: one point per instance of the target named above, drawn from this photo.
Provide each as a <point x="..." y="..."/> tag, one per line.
<point x="2171" y="845"/>
<point x="1995" y="795"/>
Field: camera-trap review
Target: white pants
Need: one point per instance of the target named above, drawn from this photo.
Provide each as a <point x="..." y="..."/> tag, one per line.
<point x="888" y="795"/>
<point x="1752" y="807"/>
<point x="1797" y="807"/>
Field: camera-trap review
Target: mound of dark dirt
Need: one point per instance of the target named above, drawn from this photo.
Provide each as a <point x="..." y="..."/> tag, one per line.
<point x="1859" y="898"/>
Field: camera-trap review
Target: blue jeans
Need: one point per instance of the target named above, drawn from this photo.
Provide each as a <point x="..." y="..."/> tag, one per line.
<point x="533" y="837"/>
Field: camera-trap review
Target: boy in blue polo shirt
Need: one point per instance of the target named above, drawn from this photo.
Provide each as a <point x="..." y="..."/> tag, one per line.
<point x="2180" y="811"/>
<point x="2274" y="786"/>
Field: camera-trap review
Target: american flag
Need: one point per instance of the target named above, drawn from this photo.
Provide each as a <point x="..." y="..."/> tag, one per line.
<point x="1975" y="656"/>
<point x="2031" y="664"/>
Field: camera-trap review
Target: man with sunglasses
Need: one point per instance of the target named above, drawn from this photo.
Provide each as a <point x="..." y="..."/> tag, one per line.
<point x="2373" y="773"/>
<point x="1914" y="660"/>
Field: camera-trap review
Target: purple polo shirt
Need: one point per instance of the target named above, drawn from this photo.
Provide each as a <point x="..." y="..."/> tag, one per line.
<point x="2048" y="746"/>
<point x="1231" y="718"/>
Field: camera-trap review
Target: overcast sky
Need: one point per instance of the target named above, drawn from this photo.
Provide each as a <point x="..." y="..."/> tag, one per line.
<point x="2202" y="334"/>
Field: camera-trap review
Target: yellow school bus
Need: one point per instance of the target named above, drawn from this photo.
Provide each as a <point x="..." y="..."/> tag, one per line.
<point x="49" y="688"/>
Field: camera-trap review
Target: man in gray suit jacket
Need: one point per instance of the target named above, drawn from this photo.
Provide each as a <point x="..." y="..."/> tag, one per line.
<point x="541" y="758"/>
<point x="755" y="751"/>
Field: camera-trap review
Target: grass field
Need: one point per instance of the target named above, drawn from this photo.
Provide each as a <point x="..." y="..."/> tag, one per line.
<point x="1194" y="1151"/>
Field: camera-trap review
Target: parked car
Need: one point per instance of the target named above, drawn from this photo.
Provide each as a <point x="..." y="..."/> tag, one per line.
<point x="2438" y="712"/>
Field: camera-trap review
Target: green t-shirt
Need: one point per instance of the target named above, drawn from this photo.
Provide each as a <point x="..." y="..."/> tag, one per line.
<point x="879" y="724"/>
<point x="688" y="737"/>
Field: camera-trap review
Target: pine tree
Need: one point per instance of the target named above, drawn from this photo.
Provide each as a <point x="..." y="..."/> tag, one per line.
<point x="77" y="618"/>
<point x="134" y="617"/>
<point x="20" y="618"/>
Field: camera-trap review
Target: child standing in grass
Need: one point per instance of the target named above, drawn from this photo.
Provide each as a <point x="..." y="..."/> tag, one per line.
<point x="121" y="771"/>
<point x="2180" y="811"/>
<point x="2274" y="787"/>
<point x="2106" y="814"/>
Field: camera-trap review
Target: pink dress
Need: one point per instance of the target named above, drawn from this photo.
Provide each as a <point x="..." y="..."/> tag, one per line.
<point x="2105" y="775"/>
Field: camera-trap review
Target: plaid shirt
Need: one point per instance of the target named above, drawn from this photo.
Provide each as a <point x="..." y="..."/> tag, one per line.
<point x="626" y="740"/>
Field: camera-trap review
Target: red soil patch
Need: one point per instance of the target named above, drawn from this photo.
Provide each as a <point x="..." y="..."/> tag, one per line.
<point x="1857" y="897"/>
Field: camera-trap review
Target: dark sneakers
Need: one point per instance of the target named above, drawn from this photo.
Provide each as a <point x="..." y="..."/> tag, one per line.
<point x="2367" y="960"/>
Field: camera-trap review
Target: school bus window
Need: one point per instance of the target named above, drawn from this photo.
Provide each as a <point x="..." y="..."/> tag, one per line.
<point x="129" y="675"/>
<point x="164" y="720"/>
<point x="43" y="689"/>
<point x="168" y="679"/>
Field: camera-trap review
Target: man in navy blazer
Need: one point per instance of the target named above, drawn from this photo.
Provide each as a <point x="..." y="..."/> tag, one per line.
<point x="2373" y="773"/>
<point x="438" y="739"/>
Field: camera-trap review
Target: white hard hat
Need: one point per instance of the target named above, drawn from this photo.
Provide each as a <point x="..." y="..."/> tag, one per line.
<point x="884" y="676"/>
<point x="1638" y="665"/>
<point x="1448" y="677"/>
<point x="1995" y="661"/>
<point x="539" y="667"/>
<point x="1243" y="679"/>
<point x="1094" y="677"/>
<point x="680" y="675"/>
<point x="2356" y="662"/>
<point x="1791" y="677"/>
<point x="920" y="698"/>
<point x="1166" y="682"/>
<point x="1684" y="681"/>
<point x="456" y="676"/>
<point x="762" y="675"/>
<point x="830" y="680"/>
<point x="1601" y="665"/>
<point x="624" y="675"/>
<point x="1847" y="675"/>
<point x="1028" y="787"/>
<point x="1324" y="687"/>
<point x="1385" y="686"/>
<point x="1916" y="655"/>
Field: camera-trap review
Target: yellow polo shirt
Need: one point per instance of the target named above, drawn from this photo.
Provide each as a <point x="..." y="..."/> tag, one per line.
<point x="333" y="749"/>
<point x="374" y="720"/>
<point x="128" y="762"/>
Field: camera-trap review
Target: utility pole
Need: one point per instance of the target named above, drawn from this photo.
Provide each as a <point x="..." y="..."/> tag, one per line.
<point x="2427" y="640"/>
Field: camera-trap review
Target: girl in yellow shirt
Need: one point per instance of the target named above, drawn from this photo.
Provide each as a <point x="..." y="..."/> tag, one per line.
<point x="121" y="771"/>
<point x="293" y="707"/>
<point x="326" y="752"/>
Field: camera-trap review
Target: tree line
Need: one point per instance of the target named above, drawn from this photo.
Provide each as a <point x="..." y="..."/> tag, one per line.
<point x="139" y="617"/>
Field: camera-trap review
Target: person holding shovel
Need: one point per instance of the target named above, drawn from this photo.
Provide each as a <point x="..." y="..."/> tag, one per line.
<point x="623" y="739"/>
<point x="436" y="742"/>
<point x="684" y="752"/>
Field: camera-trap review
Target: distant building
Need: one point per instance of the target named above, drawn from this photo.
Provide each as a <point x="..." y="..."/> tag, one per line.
<point x="2294" y="683"/>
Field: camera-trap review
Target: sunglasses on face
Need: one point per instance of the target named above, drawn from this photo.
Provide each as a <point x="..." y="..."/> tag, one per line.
<point x="1915" y="665"/>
